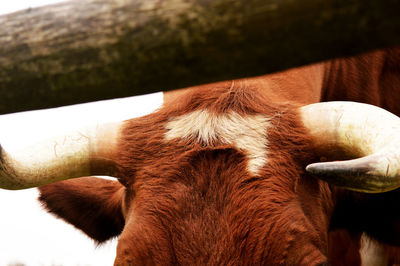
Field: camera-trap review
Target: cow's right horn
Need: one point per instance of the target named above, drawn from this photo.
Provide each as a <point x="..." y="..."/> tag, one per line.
<point x="362" y="131"/>
<point x="90" y="151"/>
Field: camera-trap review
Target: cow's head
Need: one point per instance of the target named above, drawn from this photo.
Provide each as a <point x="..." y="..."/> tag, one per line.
<point x="216" y="178"/>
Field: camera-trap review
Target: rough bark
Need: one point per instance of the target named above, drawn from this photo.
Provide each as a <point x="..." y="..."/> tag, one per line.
<point x="88" y="50"/>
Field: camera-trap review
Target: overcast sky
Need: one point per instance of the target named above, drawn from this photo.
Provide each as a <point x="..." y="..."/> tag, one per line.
<point x="28" y="234"/>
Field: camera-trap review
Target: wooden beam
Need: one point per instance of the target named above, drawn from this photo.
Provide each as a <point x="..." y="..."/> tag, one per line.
<point x="87" y="50"/>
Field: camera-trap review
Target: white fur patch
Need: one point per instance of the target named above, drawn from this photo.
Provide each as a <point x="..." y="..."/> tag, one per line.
<point x="247" y="133"/>
<point x="372" y="253"/>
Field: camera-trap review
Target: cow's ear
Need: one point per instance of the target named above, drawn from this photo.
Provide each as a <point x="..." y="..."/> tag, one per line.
<point x="91" y="204"/>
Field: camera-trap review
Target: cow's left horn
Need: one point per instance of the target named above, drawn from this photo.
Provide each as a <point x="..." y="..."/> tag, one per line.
<point x="362" y="131"/>
<point x="89" y="151"/>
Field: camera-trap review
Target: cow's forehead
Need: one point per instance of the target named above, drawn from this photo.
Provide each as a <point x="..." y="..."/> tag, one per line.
<point x="209" y="120"/>
<point x="247" y="133"/>
<point x="204" y="167"/>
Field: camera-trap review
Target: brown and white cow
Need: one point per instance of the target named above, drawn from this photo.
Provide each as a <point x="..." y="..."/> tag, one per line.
<point x="218" y="175"/>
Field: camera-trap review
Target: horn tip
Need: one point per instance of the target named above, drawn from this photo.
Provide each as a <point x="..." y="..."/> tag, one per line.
<point x="358" y="179"/>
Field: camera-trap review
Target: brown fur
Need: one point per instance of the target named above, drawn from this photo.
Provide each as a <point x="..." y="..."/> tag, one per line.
<point x="184" y="202"/>
<point x="78" y="203"/>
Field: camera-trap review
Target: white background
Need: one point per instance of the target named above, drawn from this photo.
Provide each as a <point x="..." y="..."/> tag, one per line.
<point x="28" y="235"/>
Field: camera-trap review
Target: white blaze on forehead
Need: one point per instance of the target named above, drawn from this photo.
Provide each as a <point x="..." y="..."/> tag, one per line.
<point x="247" y="133"/>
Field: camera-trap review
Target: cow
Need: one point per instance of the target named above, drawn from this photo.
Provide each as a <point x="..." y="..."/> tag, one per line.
<point x="254" y="171"/>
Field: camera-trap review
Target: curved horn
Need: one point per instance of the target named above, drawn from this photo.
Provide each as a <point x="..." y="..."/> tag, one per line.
<point x="90" y="151"/>
<point x="355" y="130"/>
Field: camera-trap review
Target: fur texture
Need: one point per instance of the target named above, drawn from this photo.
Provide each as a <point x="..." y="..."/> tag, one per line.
<point x="93" y="205"/>
<point x="190" y="196"/>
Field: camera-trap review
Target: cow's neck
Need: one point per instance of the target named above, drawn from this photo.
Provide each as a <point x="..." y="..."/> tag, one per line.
<point x="372" y="78"/>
